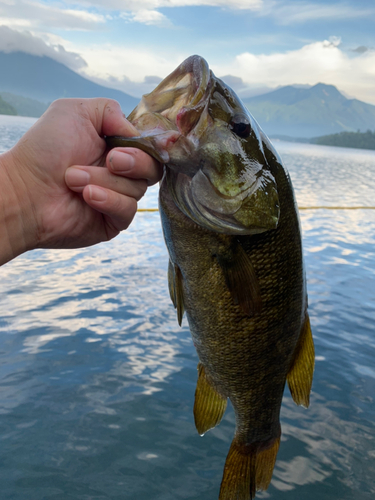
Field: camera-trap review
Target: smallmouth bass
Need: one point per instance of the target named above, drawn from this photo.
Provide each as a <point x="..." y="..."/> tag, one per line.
<point x="231" y="226"/>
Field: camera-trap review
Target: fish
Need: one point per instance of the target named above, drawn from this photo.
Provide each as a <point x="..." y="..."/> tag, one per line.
<point x="231" y="226"/>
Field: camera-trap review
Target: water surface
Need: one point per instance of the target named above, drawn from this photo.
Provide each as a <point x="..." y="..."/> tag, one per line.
<point x="97" y="379"/>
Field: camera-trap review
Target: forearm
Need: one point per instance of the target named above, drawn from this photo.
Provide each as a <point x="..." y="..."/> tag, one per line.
<point x="16" y="228"/>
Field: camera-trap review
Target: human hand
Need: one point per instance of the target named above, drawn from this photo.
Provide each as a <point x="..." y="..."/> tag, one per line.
<point x="55" y="174"/>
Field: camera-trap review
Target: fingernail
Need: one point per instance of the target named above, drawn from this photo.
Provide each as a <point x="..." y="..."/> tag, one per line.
<point x="77" y="177"/>
<point x="121" y="162"/>
<point x="97" y="194"/>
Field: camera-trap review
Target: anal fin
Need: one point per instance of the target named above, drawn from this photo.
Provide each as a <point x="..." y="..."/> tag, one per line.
<point x="176" y="290"/>
<point x="301" y="372"/>
<point x="248" y="468"/>
<point x="209" y="405"/>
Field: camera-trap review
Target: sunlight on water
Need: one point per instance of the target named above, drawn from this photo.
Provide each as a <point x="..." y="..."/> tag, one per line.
<point x="97" y="379"/>
<point x="330" y="176"/>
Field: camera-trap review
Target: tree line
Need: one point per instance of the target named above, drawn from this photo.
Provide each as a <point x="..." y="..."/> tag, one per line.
<point x="362" y="140"/>
<point x="6" y="108"/>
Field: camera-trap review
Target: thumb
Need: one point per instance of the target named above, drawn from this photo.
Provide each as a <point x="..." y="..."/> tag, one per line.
<point x="113" y="121"/>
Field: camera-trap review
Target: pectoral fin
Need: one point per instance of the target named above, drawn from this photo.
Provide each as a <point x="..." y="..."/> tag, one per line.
<point x="301" y="372"/>
<point x="176" y="290"/>
<point x="209" y="405"/>
<point x="241" y="279"/>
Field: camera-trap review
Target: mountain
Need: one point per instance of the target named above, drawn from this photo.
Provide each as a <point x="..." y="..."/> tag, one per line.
<point x="310" y="112"/>
<point x="6" y="108"/>
<point x="44" y="79"/>
<point x="24" y="106"/>
<point x="288" y="111"/>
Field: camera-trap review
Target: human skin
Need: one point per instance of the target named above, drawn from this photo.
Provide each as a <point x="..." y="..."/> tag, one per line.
<point x="58" y="186"/>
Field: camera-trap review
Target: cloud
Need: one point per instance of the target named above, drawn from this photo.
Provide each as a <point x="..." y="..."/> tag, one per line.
<point x="14" y="41"/>
<point x="324" y="61"/>
<point x="361" y="50"/>
<point x="234" y="81"/>
<point x="242" y="88"/>
<point x="83" y="13"/>
<point x="128" y="68"/>
<point x="321" y="61"/>
<point x="288" y="13"/>
<point x="152" y="80"/>
<point x="135" y="5"/>
<point x="28" y="13"/>
<point x="147" y="17"/>
<point x="145" y="11"/>
<point x="133" y="88"/>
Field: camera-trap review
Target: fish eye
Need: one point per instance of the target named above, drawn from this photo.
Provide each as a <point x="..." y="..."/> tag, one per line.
<point x="240" y="125"/>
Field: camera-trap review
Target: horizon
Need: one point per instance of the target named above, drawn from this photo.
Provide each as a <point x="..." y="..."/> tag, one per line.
<point x="256" y="94"/>
<point x="257" y="46"/>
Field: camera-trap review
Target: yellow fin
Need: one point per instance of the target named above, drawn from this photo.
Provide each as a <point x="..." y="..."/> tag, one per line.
<point x="301" y="372"/>
<point x="172" y="288"/>
<point x="209" y="405"/>
<point x="247" y="469"/>
<point x="175" y="290"/>
<point x="241" y="279"/>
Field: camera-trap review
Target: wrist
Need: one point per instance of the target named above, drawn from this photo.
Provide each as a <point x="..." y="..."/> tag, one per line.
<point x="17" y="234"/>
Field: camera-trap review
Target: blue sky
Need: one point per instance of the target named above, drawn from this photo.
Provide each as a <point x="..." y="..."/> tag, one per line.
<point x="257" y="44"/>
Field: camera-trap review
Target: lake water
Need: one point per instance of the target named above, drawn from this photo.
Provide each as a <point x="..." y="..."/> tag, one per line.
<point x="97" y="379"/>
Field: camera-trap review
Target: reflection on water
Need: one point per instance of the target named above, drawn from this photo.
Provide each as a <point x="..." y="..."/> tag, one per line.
<point x="97" y="379"/>
<point x="11" y="129"/>
<point x="329" y="175"/>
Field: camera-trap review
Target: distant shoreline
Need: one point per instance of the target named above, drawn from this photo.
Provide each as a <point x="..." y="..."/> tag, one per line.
<point x="18" y="118"/>
<point x="355" y="140"/>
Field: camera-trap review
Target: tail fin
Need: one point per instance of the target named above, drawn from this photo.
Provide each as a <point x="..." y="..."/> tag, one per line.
<point x="248" y="468"/>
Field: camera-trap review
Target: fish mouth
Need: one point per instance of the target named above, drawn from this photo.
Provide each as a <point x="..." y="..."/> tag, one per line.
<point x="200" y="78"/>
<point x="180" y="98"/>
<point x="209" y="173"/>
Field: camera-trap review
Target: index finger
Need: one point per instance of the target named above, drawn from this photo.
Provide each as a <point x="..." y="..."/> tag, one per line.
<point x="134" y="164"/>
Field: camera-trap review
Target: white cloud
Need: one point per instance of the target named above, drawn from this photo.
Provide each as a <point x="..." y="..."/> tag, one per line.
<point x="321" y="61"/>
<point x="145" y="11"/>
<point x="14" y="22"/>
<point x="288" y="13"/>
<point x="135" y="5"/>
<point x="13" y="41"/>
<point x="39" y="14"/>
<point x="147" y="17"/>
<point x="324" y="61"/>
<point x="17" y="13"/>
<point x="123" y="63"/>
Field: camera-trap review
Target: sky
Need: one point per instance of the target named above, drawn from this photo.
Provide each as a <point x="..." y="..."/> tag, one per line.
<point x="256" y="45"/>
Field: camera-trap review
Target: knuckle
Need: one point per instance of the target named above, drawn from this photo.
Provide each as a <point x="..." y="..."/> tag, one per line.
<point x="142" y="188"/>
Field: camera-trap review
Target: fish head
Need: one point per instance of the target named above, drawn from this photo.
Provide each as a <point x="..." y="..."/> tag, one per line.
<point x="216" y="169"/>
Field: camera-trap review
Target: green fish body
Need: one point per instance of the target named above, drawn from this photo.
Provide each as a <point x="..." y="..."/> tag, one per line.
<point x="232" y="230"/>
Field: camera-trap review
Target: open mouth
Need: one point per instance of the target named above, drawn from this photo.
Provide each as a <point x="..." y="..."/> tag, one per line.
<point x="189" y="86"/>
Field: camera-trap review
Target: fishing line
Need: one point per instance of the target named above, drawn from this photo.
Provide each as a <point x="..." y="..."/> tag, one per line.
<point x="300" y="208"/>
